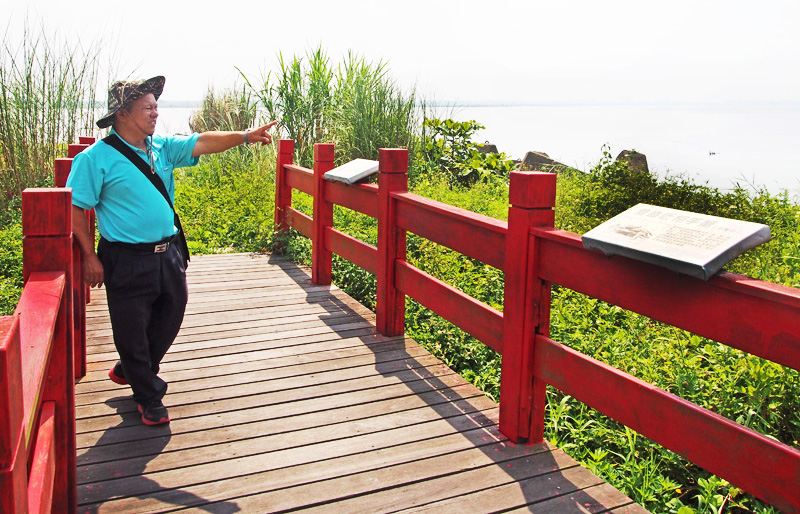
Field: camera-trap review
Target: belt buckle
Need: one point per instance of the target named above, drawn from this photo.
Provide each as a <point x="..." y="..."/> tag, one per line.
<point x="161" y="248"/>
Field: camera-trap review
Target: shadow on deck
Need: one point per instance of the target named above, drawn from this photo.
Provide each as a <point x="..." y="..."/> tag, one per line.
<point x="283" y="397"/>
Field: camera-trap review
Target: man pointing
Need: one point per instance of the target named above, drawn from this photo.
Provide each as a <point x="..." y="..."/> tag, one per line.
<point x="141" y="256"/>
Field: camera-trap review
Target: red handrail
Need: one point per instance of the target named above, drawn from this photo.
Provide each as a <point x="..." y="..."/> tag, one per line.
<point x="80" y="291"/>
<point x="752" y="315"/>
<point x="42" y="353"/>
<point x="37" y="425"/>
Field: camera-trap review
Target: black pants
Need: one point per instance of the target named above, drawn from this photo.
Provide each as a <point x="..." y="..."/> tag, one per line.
<point x="147" y="297"/>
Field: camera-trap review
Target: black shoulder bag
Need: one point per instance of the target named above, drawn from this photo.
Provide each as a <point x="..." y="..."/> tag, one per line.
<point x="115" y="142"/>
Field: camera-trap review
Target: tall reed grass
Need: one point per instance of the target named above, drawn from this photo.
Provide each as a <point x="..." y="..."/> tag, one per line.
<point x="228" y="110"/>
<point x="355" y="105"/>
<point x="369" y="111"/>
<point x="47" y="91"/>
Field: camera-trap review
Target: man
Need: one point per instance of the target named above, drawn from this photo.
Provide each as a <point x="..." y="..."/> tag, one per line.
<point x="138" y="256"/>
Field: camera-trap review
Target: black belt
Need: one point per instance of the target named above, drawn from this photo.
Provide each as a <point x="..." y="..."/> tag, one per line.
<point x="159" y="247"/>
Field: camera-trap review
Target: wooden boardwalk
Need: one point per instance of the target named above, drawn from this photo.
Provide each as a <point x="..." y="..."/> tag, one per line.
<point x="283" y="397"/>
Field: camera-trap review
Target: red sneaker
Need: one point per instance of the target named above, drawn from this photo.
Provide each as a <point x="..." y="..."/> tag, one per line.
<point x="154" y="413"/>
<point x="116" y="375"/>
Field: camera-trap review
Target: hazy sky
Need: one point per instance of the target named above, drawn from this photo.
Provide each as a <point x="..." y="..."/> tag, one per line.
<point x="500" y="51"/>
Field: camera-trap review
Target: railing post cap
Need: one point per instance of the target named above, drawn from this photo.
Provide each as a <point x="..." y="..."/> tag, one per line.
<point x="324" y="152"/>
<point x="393" y="160"/>
<point x="532" y="189"/>
<point x="286" y="146"/>
<point x="61" y="171"/>
<point x="76" y="148"/>
<point x="47" y="211"/>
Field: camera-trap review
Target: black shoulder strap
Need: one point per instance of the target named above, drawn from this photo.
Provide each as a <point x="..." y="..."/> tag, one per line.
<point x="115" y="142"/>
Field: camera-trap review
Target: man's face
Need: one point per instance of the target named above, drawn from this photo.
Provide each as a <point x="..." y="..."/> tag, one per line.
<point x="142" y="114"/>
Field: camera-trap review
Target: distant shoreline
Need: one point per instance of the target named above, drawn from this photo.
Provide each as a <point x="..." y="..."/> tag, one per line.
<point x="760" y="104"/>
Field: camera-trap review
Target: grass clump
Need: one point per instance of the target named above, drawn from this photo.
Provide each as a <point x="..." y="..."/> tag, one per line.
<point x="229" y="110"/>
<point x="47" y="90"/>
<point x="355" y="105"/>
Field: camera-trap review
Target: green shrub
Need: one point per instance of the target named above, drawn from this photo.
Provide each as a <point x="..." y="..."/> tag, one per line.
<point x="446" y="145"/>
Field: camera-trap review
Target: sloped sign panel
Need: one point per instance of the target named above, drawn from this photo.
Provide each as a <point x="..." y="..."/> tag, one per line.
<point x="693" y="244"/>
<point x="352" y="171"/>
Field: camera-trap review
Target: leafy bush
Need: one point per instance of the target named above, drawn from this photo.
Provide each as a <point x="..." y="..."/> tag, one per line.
<point x="586" y="200"/>
<point x="447" y="144"/>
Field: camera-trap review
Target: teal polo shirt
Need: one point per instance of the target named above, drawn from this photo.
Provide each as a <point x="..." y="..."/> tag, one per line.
<point x="129" y="208"/>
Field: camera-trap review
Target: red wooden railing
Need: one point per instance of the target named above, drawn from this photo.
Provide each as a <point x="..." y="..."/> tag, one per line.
<point x="80" y="291"/>
<point x="37" y="426"/>
<point x="42" y="353"/>
<point x="758" y="317"/>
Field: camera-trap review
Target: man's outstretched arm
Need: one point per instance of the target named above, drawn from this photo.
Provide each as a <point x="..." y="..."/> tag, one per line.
<point x="215" y="141"/>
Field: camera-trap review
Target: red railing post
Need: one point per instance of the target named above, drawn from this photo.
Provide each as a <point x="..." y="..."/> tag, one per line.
<point x="13" y="455"/>
<point x="526" y="310"/>
<point x="61" y="171"/>
<point x="390" y="303"/>
<point x="76" y="148"/>
<point x="283" y="193"/>
<point x="47" y="246"/>
<point x="80" y="292"/>
<point x="321" y="256"/>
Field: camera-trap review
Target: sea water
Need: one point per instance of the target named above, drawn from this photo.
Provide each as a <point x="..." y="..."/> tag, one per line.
<point x="718" y="145"/>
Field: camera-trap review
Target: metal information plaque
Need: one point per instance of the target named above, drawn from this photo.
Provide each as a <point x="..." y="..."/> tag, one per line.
<point x="693" y="244"/>
<point x="353" y="171"/>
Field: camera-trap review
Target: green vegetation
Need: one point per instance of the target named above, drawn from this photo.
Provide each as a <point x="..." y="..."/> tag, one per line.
<point x="746" y="389"/>
<point x="47" y="89"/>
<point x="227" y="204"/>
<point x="357" y="106"/>
<point x="229" y="110"/>
<point x="447" y="145"/>
<point x="46" y="92"/>
<point x="10" y="258"/>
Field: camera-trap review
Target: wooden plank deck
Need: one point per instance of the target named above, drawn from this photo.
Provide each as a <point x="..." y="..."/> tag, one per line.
<point x="283" y="398"/>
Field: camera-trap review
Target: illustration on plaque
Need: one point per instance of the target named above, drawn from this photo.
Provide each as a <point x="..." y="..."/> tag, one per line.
<point x="633" y="232"/>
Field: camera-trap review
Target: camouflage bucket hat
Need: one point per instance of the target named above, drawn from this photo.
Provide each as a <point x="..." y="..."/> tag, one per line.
<point x="123" y="93"/>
